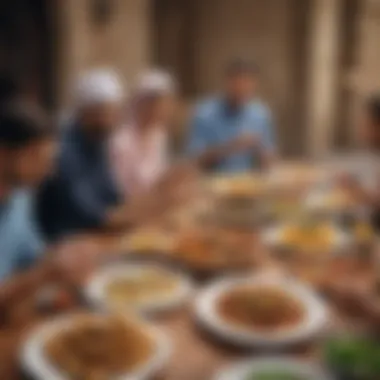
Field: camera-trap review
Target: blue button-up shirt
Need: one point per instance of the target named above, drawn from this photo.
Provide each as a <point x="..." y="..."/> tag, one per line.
<point x="78" y="196"/>
<point x="20" y="241"/>
<point x="214" y="123"/>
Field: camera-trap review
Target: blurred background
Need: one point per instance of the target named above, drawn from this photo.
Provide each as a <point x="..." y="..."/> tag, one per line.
<point x="319" y="58"/>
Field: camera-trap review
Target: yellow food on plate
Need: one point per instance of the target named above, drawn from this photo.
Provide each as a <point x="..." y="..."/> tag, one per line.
<point x="99" y="348"/>
<point x="149" y="241"/>
<point x="338" y="199"/>
<point x="238" y="186"/>
<point x="215" y="249"/>
<point x="317" y="237"/>
<point x="141" y="287"/>
<point x="364" y="232"/>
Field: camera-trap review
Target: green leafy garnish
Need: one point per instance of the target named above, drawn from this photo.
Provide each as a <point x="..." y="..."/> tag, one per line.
<point x="357" y="357"/>
<point x="274" y="375"/>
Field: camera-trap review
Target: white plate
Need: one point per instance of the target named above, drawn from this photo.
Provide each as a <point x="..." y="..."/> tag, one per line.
<point x="314" y="322"/>
<point x="271" y="237"/>
<point x="95" y="291"/>
<point x="37" y="364"/>
<point x="317" y="201"/>
<point x="242" y="370"/>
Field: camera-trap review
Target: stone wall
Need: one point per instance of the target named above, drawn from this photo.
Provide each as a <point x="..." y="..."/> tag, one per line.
<point x="198" y="41"/>
<point x="195" y="38"/>
<point x="123" y="42"/>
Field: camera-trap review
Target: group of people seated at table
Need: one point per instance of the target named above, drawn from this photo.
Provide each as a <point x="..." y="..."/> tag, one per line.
<point x="108" y="165"/>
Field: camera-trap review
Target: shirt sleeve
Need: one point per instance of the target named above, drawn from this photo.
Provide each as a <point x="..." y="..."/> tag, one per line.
<point x="31" y="245"/>
<point x="198" y="140"/>
<point x="83" y="198"/>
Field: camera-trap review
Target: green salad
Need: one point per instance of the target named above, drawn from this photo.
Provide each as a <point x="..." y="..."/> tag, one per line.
<point x="356" y="358"/>
<point x="274" y="375"/>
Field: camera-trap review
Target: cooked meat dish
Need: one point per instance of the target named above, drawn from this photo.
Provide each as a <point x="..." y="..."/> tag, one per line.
<point x="99" y="348"/>
<point x="261" y="307"/>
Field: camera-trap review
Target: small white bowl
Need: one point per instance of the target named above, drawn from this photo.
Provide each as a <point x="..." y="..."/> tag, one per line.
<point x="95" y="291"/>
<point x="272" y="238"/>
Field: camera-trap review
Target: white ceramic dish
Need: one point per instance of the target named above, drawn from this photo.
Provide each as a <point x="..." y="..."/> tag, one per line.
<point x="95" y="291"/>
<point x="314" y="322"/>
<point x="298" y="368"/>
<point x="317" y="201"/>
<point x="36" y="364"/>
<point x="272" y="237"/>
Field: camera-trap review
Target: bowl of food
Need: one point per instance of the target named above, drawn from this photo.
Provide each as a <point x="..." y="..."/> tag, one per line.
<point x="261" y="311"/>
<point x="353" y="357"/>
<point x="215" y="250"/>
<point x="238" y="189"/>
<point x="332" y="200"/>
<point x="313" y="239"/>
<point x="145" y="288"/>
<point x="94" y="347"/>
<point x="147" y="241"/>
<point x="273" y="368"/>
<point x="295" y="176"/>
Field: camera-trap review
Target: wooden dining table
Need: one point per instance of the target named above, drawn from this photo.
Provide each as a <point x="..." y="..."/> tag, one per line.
<point x="195" y="355"/>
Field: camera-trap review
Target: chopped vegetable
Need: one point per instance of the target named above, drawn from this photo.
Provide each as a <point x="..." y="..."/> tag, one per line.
<point x="358" y="358"/>
<point x="274" y="375"/>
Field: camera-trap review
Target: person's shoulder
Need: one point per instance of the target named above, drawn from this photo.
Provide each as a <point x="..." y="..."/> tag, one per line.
<point x="68" y="134"/>
<point x="21" y="201"/>
<point x="207" y="108"/>
<point x="69" y="150"/>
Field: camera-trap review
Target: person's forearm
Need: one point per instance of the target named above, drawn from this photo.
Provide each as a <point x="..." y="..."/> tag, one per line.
<point x="120" y="218"/>
<point x="212" y="156"/>
<point x="22" y="284"/>
<point x="136" y="212"/>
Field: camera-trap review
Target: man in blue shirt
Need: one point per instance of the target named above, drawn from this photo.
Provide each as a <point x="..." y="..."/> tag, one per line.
<point x="233" y="132"/>
<point x="27" y="148"/>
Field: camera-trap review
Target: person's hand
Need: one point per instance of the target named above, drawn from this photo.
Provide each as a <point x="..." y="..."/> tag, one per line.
<point x="179" y="173"/>
<point x="245" y="141"/>
<point x="74" y="260"/>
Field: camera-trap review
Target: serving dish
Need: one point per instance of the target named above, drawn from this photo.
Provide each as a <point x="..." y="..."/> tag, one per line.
<point x="263" y="324"/>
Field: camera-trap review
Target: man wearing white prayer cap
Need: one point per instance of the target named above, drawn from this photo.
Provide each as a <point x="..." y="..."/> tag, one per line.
<point x="140" y="148"/>
<point x="82" y="193"/>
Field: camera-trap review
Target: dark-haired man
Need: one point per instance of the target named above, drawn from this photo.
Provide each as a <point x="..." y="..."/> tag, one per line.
<point x="26" y="155"/>
<point x="27" y="150"/>
<point x="234" y="131"/>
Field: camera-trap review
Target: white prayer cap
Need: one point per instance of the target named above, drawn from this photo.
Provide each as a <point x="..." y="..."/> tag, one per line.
<point x="98" y="86"/>
<point x="155" y="82"/>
